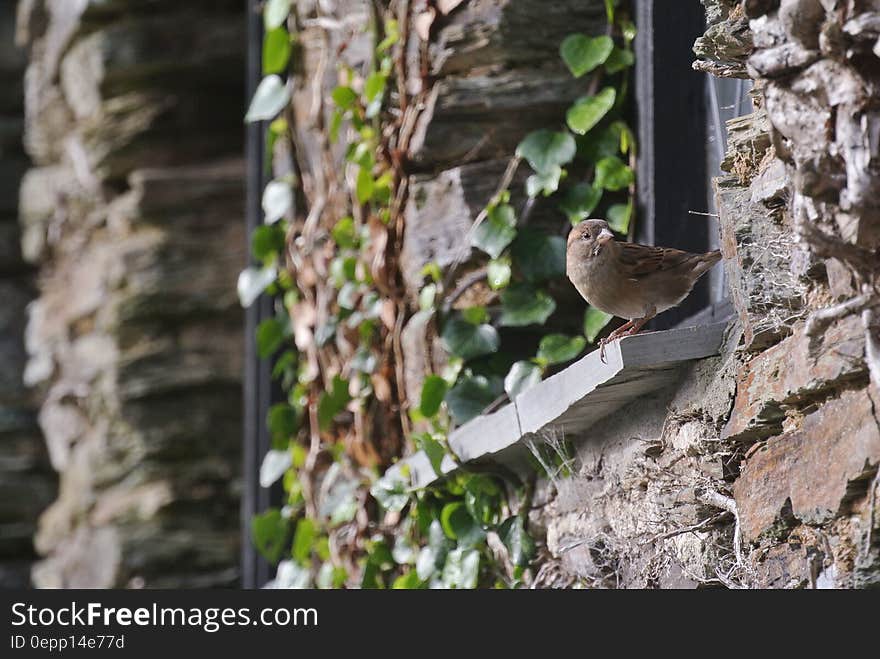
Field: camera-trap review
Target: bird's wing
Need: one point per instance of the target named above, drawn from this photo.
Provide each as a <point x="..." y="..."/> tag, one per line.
<point x="640" y="261"/>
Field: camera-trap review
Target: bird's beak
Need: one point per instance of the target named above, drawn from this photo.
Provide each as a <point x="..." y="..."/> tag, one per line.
<point x="604" y="236"/>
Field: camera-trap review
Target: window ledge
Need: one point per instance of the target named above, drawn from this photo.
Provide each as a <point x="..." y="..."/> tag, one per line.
<point x="573" y="399"/>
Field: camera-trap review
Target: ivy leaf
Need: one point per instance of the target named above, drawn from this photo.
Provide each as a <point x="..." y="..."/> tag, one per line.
<point x="523" y="305"/>
<point x="613" y="174"/>
<point x="253" y="281"/>
<point x="433" y="555"/>
<point x="390" y="492"/>
<point x="275" y="463"/>
<point x="482" y="498"/>
<point x="303" y="539"/>
<point x="498" y="273"/>
<point x="619" y="216"/>
<point x="520" y="545"/>
<point x="580" y="201"/>
<point x="546" y="182"/>
<point x="281" y="421"/>
<point x="496" y="232"/>
<point x="433" y="449"/>
<point x="269" y="533"/>
<point x="558" y="348"/>
<point x="619" y="59"/>
<point x="458" y="524"/>
<point x="275" y="13"/>
<point x="582" y="54"/>
<point x="270" y="98"/>
<point x="601" y="143"/>
<point x="461" y="569"/>
<point x="365" y="185"/>
<point x="589" y="110"/>
<point x="522" y="376"/>
<point x="546" y="149"/>
<point x="344" y="233"/>
<point x="407" y="581"/>
<point x="594" y="322"/>
<point x="276" y="50"/>
<point x="471" y="395"/>
<point x="475" y="315"/>
<point x="538" y="256"/>
<point x="344" y="97"/>
<point x="266" y="241"/>
<point x="467" y="340"/>
<point x="270" y="335"/>
<point x="277" y="200"/>
<point x="332" y="402"/>
<point x="433" y="391"/>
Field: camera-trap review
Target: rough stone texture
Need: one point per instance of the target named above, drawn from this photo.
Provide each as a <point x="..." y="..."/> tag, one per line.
<point x="27" y="484"/>
<point x="133" y="215"/>
<point x="780" y="436"/>
<point x="809" y="474"/>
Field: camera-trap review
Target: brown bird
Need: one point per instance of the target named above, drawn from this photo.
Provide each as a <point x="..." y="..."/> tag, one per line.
<point x="631" y="281"/>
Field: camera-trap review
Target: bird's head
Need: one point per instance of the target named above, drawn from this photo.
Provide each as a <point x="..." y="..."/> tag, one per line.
<point x="589" y="237"/>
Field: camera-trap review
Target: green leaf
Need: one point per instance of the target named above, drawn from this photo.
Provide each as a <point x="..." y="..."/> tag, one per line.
<point x="594" y="322"/>
<point x="266" y="242"/>
<point x="433" y="449"/>
<point x="580" y="201"/>
<point x="522" y="376"/>
<point x="375" y="85"/>
<point x="253" y="281"/>
<point x="475" y="315"/>
<point x="520" y="545"/>
<point x="365" y="185"/>
<point x="523" y="305"/>
<point x="589" y="110"/>
<point x="270" y="98"/>
<point x="482" y="498"/>
<point x="407" y="581"/>
<point x="619" y="216"/>
<point x="558" y="348"/>
<point x="330" y="576"/>
<point x="538" y="256"/>
<point x="274" y="464"/>
<point x="471" y="395"/>
<point x="303" y="539"/>
<point x="344" y="97"/>
<point x="276" y="50"/>
<point x="546" y="183"/>
<point x="619" y="59"/>
<point x="282" y="422"/>
<point x="433" y="556"/>
<point x="496" y="232"/>
<point x="582" y="54"/>
<point x="613" y="174"/>
<point x="332" y="402"/>
<point x="600" y="143"/>
<point x="391" y="492"/>
<point x="498" y="273"/>
<point x="467" y="340"/>
<point x="344" y="234"/>
<point x="275" y="12"/>
<point x="433" y="391"/>
<point x="546" y="149"/>
<point x="458" y="524"/>
<point x="462" y="568"/>
<point x="270" y="336"/>
<point x="269" y="533"/>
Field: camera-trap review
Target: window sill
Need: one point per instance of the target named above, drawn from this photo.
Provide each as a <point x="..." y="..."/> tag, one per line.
<point x="573" y="399"/>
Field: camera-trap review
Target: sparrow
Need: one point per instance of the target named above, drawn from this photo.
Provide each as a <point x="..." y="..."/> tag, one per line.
<point x="628" y="280"/>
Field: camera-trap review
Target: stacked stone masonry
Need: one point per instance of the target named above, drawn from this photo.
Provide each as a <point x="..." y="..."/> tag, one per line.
<point x="131" y="215"/>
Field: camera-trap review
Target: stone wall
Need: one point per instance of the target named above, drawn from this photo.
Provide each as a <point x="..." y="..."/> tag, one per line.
<point x="27" y="484"/>
<point x="761" y="469"/>
<point x="132" y="212"/>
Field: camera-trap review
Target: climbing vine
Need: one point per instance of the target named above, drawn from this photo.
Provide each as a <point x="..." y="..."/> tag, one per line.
<point x="332" y="269"/>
